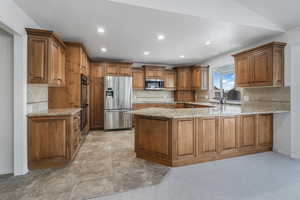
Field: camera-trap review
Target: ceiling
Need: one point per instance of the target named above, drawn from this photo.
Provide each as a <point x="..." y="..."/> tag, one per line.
<point x="131" y="27"/>
<point x="286" y="13"/>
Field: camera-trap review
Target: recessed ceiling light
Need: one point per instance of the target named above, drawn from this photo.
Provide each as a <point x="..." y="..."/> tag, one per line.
<point x="146" y="53"/>
<point x="100" y="30"/>
<point x="208" y="42"/>
<point x="161" y="37"/>
<point x="181" y="56"/>
<point x="103" y="49"/>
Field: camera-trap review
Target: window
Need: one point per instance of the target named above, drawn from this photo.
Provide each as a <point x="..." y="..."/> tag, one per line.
<point x="223" y="79"/>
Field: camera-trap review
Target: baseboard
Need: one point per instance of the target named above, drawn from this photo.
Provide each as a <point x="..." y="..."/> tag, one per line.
<point x="6" y="171"/>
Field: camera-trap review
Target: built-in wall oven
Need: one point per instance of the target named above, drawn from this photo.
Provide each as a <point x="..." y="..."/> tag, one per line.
<point x="154" y="84"/>
<point x="84" y="101"/>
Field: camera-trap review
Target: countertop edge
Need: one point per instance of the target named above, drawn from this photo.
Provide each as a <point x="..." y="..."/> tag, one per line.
<point x="55" y="112"/>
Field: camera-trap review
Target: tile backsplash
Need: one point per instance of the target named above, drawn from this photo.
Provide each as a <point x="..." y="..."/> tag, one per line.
<point x="37" y="98"/>
<point x="266" y="94"/>
<point x="152" y="96"/>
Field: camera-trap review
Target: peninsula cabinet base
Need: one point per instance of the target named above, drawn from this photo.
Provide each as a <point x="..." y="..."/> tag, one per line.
<point x="179" y="142"/>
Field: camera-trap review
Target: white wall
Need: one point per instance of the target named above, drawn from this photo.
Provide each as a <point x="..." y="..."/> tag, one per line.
<point x="14" y="20"/>
<point x="295" y="99"/>
<point x="286" y="134"/>
<point x="6" y="105"/>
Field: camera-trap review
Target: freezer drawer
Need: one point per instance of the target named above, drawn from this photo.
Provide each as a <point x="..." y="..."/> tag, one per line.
<point x="117" y="119"/>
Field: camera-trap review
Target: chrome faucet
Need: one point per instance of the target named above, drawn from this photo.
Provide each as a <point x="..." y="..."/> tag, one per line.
<point x="222" y="99"/>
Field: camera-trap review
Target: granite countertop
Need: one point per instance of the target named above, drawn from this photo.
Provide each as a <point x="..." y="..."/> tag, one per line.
<point x="190" y="103"/>
<point x="219" y="110"/>
<point x="55" y="112"/>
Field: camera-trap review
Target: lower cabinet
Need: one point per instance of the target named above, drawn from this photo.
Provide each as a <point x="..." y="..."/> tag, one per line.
<point x="265" y="130"/>
<point x="185" y="136"/>
<point x="194" y="140"/>
<point x="248" y="132"/>
<point x="208" y="136"/>
<point x="53" y="140"/>
<point x="229" y="134"/>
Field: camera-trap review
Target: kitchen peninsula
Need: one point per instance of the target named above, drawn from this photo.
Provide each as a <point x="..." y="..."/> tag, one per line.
<point x="182" y="136"/>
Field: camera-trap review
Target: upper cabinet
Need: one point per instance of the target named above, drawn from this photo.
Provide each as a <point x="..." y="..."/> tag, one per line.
<point x="154" y="72"/>
<point x="138" y="82"/>
<point x="261" y="66"/>
<point x="77" y="58"/>
<point x="46" y="58"/>
<point x="200" y="78"/>
<point x="170" y="79"/>
<point x="84" y="62"/>
<point x="184" y="78"/>
<point x="118" y="69"/>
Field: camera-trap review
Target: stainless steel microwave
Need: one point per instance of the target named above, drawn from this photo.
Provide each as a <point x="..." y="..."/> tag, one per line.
<point x="154" y="84"/>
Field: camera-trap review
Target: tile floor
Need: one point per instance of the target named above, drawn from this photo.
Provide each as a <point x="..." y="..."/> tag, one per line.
<point x="105" y="165"/>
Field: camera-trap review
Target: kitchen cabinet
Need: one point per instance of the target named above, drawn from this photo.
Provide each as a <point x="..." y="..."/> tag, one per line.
<point x="184" y="96"/>
<point x="185" y="137"/>
<point x="71" y="96"/>
<point x="260" y="67"/>
<point x="200" y="78"/>
<point x="248" y="132"/>
<point x="229" y="134"/>
<point x="46" y="58"/>
<point x="184" y="78"/>
<point x="200" y="139"/>
<point x="84" y="62"/>
<point x="265" y="130"/>
<point x="208" y="136"/>
<point x="118" y="69"/>
<point x="154" y="72"/>
<point x="53" y="141"/>
<point x="170" y="80"/>
<point x="138" y="81"/>
<point x="97" y="95"/>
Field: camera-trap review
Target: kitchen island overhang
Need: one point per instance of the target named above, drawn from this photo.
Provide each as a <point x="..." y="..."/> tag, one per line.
<point x="177" y="137"/>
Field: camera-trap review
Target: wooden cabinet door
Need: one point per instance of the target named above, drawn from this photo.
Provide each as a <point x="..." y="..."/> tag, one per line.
<point x="261" y="65"/>
<point x="196" y="78"/>
<point x="243" y="72"/>
<point x="112" y="69"/>
<point x="248" y="132"/>
<point x="170" y="80"/>
<point x="97" y="96"/>
<point x="229" y="135"/>
<point x="47" y="138"/>
<point x="138" y="81"/>
<point x="184" y="96"/>
<point x="54" y="69"/>
<point x="185" y="139"/>
<point x="61" y="76"/>
<point x="207" y="132"/>
<point x="184" y="79"/>
<point x="124" y="70"/>
<point x="38" y="59"/>
<point x="154" y="72"/>
<point x="265" y="130"/>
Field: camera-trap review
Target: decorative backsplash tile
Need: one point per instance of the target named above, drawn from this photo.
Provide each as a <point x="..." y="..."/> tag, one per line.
<point x="266" y="94"/>
<point x="37" y="93"/>
<point x="37" y="98"/>
<point x="153" y="96"/>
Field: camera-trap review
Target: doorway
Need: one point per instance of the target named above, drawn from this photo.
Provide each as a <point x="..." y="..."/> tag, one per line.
<point x="6" y="102"/>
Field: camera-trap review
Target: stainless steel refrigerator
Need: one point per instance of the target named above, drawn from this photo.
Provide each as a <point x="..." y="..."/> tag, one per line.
<point x="117" y="102"/>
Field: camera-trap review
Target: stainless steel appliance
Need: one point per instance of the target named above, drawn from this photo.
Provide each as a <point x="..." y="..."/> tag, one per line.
<point x="154" y="84"/>
<point x="84" y="101"/>
<point x="117" y="102"/>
